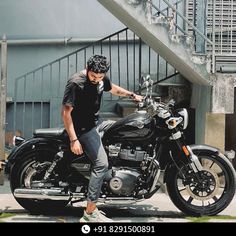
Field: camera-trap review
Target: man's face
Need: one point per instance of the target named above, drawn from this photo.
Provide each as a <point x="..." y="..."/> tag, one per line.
<point x="95" y="78"/>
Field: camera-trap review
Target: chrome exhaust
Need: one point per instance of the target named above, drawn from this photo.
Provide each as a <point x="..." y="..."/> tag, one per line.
<point x="42" y="194"/>
<point x="118" y="200"/>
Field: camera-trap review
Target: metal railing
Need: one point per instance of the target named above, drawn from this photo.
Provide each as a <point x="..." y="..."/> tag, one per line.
<point x="38" y="93"/>
<point x="220" y="38"/>
<point x="177" y="12"/>
<point x="222" y="30"/>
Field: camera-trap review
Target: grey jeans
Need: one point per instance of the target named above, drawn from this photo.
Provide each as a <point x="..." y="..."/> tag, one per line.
<point x="93" y="148"/>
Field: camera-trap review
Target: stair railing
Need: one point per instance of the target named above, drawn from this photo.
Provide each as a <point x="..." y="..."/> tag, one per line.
<point x="186" y="23"/>
<point x="38" y="94"/>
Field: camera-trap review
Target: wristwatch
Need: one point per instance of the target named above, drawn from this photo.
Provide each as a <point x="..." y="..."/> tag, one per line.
<point x="132" y="95"/>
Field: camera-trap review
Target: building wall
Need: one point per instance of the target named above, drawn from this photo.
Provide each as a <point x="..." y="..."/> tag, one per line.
<point x="49" y="19"/>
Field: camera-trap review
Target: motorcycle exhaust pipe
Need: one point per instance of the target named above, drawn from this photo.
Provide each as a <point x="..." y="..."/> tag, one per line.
<point x="118" y="200"/>
<point x="41" y="194"/>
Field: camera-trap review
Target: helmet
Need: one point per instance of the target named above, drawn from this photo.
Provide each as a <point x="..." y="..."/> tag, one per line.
<point x="98" y="64"/>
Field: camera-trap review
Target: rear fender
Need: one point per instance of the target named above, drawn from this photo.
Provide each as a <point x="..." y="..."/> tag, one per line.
<point x="31" y="145"/>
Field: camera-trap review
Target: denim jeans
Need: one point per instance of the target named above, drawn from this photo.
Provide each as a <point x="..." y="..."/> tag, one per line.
<point x="93" y="148"/>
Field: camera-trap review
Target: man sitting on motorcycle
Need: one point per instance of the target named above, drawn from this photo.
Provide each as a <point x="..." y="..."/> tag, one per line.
<point x="80" y="111"/>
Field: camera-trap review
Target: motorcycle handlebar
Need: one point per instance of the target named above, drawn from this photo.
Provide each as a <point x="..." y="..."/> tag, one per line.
<point x="156" y="103"/>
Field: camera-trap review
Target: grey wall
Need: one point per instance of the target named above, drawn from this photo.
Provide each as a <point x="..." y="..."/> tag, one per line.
<point x="55" y="18"/>
<point x="26" y="21"/>
<point x="49" y="19"/>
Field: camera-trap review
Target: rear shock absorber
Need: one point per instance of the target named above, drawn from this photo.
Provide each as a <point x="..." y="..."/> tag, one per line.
<point x="57" y="158"/>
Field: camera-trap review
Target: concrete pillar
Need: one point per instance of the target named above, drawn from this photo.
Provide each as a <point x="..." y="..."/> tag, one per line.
<point x="200" y="101"/>
<point x="215" y="130"/>
<point x="3" y="96"/>
<point x="201" y="24"/>
<point x="211" y="104"/>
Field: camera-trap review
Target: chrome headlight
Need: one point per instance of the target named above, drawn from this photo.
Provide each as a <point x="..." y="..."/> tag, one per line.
<point x="184" y="113"/>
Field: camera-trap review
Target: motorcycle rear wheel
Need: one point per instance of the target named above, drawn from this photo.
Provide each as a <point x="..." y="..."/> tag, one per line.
<point x="209" y="196"/>
<point x="17" y="180"/>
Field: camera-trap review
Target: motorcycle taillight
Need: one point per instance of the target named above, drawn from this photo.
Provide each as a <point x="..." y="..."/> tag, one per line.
<point x="17" y="140"/>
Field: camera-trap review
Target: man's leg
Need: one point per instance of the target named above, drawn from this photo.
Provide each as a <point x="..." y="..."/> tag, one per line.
<point x="93" y="148"/>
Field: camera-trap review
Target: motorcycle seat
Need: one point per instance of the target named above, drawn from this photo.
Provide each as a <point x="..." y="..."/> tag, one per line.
<point x="49" y="132"/>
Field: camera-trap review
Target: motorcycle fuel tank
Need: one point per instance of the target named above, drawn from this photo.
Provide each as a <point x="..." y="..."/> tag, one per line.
<point x="136" y="126"/>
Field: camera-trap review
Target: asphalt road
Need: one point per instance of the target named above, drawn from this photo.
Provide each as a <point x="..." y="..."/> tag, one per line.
<point x="158" y="209"/>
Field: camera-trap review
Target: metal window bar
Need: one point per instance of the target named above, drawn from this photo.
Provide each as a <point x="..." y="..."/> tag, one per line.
<point x="127" y="59"/>
<point x="24" y="96"/>
<point x="186" y="21"/>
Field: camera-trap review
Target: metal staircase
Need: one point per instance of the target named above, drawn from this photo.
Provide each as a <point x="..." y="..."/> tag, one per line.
<point x="165" y="29"/>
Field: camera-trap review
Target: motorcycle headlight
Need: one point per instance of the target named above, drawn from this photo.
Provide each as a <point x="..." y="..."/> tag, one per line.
<point x="184" y="113"/>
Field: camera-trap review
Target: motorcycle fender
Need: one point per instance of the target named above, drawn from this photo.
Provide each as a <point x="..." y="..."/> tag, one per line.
<point x="213" y="150"/>
<point x="201" y="148"/>
<point x="194" y="148"/>
<point x="204" y="148"/>
<point x="27" y="146"/>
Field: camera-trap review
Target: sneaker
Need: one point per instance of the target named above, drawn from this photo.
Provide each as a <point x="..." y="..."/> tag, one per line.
<point x="96" y="216"/>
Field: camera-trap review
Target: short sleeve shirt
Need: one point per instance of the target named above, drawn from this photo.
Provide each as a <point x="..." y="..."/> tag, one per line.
<point x="85" y="98"/>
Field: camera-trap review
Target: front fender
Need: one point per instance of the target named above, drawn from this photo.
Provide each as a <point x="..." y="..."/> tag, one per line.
<point x="204" y="148"/>
<point x="195" y="148"/>
<point x="29" y="145"/>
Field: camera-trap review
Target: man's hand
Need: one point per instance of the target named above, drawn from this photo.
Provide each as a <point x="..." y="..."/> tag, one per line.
<point x="76" y="147"/>
<point x="137" y="98"/>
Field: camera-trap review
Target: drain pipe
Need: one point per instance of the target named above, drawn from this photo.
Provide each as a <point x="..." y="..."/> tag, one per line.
<point x="62" y="41"/>
<point x="228" y="69"/>
<point x="55" y="41"/>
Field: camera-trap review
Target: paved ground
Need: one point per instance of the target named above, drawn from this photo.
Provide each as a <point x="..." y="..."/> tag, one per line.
<point x="157" y="209"/>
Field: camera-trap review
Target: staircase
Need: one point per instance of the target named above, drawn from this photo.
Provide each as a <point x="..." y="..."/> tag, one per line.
<point x="159" y="32"/>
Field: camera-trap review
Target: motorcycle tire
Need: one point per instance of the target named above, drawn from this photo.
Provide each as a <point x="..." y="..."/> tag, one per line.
<point x="207" y="197"/>
<point x="17" y="175"/>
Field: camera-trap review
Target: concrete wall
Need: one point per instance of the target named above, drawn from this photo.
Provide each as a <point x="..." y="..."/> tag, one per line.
<point x="200" y="101"/>
<point x="55" y="18"/>
<point x="49" y="20"/>
<point x="215" y="130"/>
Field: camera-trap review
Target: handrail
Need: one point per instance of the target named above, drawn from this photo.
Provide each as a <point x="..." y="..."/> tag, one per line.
<point x="188" y="22"/>
<point x="72" y="53"/>
<point x="161" y="11"/>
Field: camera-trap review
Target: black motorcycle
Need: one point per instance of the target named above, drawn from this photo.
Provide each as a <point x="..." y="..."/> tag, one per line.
<point x="143" y="149"/>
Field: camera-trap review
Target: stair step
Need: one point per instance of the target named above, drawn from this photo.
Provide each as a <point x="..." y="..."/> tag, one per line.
<point x="125" y="108"/>
<point x="109" y="116"/>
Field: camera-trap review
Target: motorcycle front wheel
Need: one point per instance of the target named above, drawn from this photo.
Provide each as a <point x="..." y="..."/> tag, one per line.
<point x="207" y="192"/>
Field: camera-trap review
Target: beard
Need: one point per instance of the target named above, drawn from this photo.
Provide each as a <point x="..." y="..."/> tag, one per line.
<point x="94" y="82"/>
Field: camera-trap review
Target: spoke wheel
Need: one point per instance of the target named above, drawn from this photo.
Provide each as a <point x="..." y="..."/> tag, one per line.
<point x="207" y="192"/>
<point x="25" y="175"/>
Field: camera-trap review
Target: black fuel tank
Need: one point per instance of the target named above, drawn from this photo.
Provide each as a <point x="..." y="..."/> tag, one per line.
<point x="137" y="126"/>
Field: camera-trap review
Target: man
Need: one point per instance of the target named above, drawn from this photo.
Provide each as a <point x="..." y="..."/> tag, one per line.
<point x="80" y="109"/>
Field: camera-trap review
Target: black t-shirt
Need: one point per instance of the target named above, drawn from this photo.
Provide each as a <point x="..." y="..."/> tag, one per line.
<point x="85" y="98"/>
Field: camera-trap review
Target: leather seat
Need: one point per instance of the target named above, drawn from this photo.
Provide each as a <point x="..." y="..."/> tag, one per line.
<point x="50" y="132"/>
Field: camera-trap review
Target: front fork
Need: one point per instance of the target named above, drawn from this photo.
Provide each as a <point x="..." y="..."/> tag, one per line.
<point x="188" y="153"/>
<point x="194" y="161"/>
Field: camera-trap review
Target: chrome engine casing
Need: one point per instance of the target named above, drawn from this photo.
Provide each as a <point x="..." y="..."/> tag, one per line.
<point x="127" y="153"/>
<point x="124" y="181"/>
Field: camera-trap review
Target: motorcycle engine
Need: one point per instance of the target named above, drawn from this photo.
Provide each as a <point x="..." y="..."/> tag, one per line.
<point x="123" y="181"/>
<point x="126" y="152"/>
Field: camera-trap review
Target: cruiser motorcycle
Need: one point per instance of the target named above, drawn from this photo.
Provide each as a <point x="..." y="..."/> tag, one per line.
<point x="145" y="149"/>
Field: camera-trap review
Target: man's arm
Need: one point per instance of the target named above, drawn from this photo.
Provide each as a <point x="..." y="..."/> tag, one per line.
<point x="68" y="123"/>
<point x="117" y="90"/>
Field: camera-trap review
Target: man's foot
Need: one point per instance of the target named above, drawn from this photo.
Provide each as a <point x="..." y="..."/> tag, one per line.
<point x="95" y="216"/>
